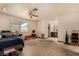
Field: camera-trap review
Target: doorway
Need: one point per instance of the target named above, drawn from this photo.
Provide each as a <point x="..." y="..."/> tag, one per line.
<point x="53" y="29"/>
<point x="49" y="30"/>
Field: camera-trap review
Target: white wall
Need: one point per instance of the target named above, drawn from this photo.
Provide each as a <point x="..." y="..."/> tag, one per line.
<point x="42" y="28"/>
<point x="4" y="22"/>
<point x="69" y="23"/>
<point x="7" y="20"/>
<point x="32" y="25"/>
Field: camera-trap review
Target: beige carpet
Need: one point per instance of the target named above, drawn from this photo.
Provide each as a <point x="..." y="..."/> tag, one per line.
<point x="43" y="47"/>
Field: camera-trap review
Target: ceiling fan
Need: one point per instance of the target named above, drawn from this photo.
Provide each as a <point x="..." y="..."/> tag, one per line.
<point x="33" y="13"/>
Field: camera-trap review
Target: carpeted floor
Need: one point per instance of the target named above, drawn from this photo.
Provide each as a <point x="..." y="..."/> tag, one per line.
<point x="43" y="47"/>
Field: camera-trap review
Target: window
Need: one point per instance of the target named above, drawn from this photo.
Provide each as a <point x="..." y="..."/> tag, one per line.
<point x="24" y="27"/>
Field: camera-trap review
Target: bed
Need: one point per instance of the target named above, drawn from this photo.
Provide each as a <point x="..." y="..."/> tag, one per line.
<point x="11" y="42"/>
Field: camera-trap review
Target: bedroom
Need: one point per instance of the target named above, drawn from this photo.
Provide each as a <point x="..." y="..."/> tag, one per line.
<point x="41" y="24"/>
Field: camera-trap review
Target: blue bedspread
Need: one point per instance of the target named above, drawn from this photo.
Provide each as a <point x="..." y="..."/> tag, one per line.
<point x="11" y="41"/>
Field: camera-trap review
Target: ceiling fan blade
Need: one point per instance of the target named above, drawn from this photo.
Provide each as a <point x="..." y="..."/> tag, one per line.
<point x="30" y="16"/>
<point x="35" y="15"/>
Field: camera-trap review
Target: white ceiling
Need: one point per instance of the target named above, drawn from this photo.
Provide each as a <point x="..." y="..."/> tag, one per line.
<point x="46" y="11"/>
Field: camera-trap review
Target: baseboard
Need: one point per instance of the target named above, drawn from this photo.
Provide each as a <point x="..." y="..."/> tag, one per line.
<point x="42" y="38"/>
<point x="64" y="42"/>
<point x="61" y="41"/>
